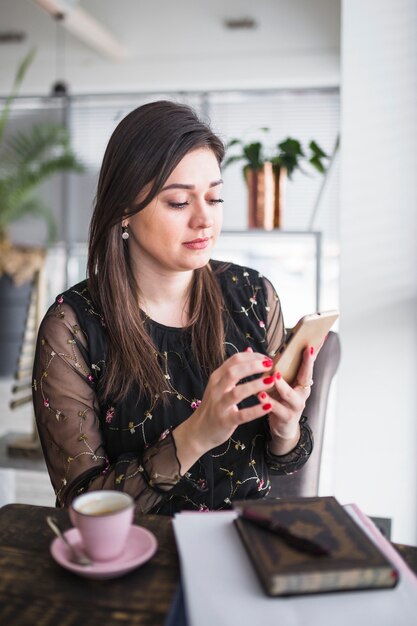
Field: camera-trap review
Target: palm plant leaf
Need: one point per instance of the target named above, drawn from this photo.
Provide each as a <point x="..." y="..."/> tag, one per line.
<point x="18" y="199"/>
<point x="30" y="158"/>
<point x="41" y="142"/>
<point x="20" y="74"/>
<point x="32" y="205"/>
<point x="64" y="162"/>
<point x="26" y="160"/>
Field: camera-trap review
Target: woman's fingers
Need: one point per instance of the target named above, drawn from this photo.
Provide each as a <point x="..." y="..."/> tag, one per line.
<point x="239" y="366"/>
<point x="225" y="391"/>
<point x="284" y="418"/>
<point x="251" y="388"/>
<point x="248" y="414"/>
<point x="305" y="373"/>
<point x="295" y="396"/>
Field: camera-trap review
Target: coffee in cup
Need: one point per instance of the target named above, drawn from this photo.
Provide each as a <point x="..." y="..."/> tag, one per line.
<point x="103" y="519"/>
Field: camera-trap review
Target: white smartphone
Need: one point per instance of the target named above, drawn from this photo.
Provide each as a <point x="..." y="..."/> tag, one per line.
<point x="310" y="330"/>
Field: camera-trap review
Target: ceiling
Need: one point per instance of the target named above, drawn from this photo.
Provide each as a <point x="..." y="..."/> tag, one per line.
<point x="179" y="45"/>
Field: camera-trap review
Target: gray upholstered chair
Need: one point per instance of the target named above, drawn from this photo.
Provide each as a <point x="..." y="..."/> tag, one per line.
<point x="305" y="482"/>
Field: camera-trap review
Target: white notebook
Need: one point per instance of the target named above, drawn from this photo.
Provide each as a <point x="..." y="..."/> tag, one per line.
<point x="222" y="589"/>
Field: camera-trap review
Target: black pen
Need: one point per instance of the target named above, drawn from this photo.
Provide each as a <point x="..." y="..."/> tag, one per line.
<point x="302" y="544"/>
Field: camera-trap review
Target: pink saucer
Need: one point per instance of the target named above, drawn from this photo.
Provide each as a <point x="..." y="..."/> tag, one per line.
<point x="141" y="546"/>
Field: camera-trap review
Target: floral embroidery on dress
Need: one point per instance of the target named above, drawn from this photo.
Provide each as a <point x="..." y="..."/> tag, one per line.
<point x="135" y="445"/>
<point x="164" y="435"/>
<point x="110" y="415"/>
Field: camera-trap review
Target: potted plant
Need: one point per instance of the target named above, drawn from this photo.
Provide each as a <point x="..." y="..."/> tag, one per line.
<point x="27" y="159"/>
<point x="266" y="168"/>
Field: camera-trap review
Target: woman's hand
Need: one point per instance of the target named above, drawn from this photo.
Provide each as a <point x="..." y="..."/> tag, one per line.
<point x="287" y="404"/>
<point x="218" y="415"/>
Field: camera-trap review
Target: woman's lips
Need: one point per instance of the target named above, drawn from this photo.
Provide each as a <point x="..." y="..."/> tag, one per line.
<point x="197" y="244"/>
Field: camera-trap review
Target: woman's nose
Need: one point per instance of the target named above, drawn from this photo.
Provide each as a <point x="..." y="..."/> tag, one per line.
<point x="202" y="216"/>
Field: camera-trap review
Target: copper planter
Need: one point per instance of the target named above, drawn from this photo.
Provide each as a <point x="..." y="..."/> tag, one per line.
<point x="265" y="196"/>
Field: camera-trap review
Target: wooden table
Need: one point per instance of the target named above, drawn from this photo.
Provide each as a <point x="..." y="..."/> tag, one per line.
<point x="34" y="590"/>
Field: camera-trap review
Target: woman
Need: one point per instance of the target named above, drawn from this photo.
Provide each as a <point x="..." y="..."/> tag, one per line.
<point x="152" y="376"/>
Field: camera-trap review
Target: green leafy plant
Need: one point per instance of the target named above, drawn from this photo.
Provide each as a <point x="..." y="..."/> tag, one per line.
<point x="27" y="159"/>
<point x="288" y="153"/>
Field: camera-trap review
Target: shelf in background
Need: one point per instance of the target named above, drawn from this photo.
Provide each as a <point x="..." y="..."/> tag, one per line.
<point x="291" y="260"/>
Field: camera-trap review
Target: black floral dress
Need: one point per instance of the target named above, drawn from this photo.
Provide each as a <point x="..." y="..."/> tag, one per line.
<point x="128" y="445"/>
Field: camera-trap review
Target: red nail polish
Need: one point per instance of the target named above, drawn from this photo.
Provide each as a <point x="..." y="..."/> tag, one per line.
<point x="262" y="395"/>
<point x="267" y="363"/>
<point x="267" y="407"/>
<point x="311" y="350"/>
<point x="268" y="380"/>
<point x="278" y="376"/>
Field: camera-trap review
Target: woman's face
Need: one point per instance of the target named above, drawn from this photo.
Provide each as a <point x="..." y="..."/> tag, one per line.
<point x="178" y="229"/>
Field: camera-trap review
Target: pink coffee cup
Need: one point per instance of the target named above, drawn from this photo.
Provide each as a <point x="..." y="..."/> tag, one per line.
<point x="103" y="519"/>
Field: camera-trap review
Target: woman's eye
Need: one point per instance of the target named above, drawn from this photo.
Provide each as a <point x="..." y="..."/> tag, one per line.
<point x="182" y="205"/>
<point x="178" y="205"/>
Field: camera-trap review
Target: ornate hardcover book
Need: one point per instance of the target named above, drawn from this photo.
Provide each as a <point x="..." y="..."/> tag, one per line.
<point x="310" y="545"/>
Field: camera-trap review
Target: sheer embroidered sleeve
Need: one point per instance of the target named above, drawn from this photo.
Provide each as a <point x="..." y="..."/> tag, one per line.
<point x="275" y="331"/>
<point x="296" y="458"/>
<point x="67" y="417"/>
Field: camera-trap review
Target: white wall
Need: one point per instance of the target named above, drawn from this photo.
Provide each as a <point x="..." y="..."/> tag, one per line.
<point x="376" y="429"/>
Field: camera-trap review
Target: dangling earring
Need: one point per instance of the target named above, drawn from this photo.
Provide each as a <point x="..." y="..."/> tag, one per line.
<point x="125" y="234"/>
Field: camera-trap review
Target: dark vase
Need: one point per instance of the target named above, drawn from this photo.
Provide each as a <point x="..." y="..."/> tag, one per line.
<point x="14" y="306"/>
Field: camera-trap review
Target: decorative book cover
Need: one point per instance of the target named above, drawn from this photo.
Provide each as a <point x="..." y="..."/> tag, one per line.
<point x="353" y="561"/>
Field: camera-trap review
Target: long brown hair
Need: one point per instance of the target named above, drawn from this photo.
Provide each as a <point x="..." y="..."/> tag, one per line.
<point x="143" y="150"/>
